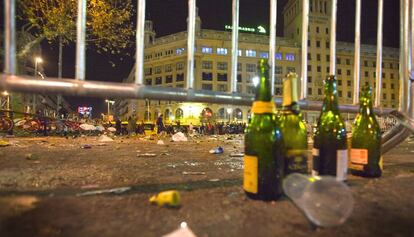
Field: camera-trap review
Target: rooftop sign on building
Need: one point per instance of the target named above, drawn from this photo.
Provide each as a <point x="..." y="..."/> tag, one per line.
<point x="258" y="29"/>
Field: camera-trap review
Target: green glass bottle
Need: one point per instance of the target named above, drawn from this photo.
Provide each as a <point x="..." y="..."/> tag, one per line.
<point x="365" y="154"/>
<point x="293" y="128"/>
<point x="263" y="161"/>
<point x="330" y="153"/>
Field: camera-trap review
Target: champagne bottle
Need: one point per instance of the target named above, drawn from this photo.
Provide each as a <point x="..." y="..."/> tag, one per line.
<point x="293" y="128"/>
<point x="263" y="162"/>
<point x="330" y="153"/>
<point x="366" y="139"/>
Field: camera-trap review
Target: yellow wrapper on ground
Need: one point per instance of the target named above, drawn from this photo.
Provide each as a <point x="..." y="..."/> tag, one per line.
<point x="169" y="198"/>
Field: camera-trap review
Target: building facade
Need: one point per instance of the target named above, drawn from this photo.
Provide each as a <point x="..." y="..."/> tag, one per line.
<point x="165" y="65"/>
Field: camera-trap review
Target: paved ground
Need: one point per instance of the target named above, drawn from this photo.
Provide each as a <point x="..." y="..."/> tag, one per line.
<point x="41" y="179"/>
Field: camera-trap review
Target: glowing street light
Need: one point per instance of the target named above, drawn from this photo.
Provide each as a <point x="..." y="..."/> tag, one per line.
<point x="5" y="93"/>
<point x="109" y="102"/>
<point x="37" y="61"/>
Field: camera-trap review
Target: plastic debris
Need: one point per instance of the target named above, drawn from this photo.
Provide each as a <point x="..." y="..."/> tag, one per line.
<point x="105" y="191"/>
<point x="146" y="155"/>
<point x="193" y="173"/>
<point x="30" y="156"/>
<point x="111" y="129"/>
<point x="170" y="198"/>
<point x="4" y="143"/>
<point x="86" y="146"/>
<point x="105" y="138"/>
<point x="88" y="127"/>
<point x="325" y="201"/>
<point x="99" y="128"/>
<point x="236" y="154"/>
<point x="179" y="137"/>
<point x="214" y="180"/>
<point x="183" y="231"/>
<point x="160" y="142"/>
<point x="218" y="150"/>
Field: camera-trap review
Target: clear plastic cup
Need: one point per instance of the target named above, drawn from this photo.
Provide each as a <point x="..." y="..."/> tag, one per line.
<point x="325" y="201"/>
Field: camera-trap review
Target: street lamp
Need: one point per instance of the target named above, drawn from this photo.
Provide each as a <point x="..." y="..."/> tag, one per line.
<point x="37" y="61"/>
<point x="109" y="102"/>
<point x="229" y="112"/>
<point x="5" y="93"/>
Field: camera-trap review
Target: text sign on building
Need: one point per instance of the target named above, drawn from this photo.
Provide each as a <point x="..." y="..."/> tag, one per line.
<point x="259" y="29"/>
<point x="85" y="111"/>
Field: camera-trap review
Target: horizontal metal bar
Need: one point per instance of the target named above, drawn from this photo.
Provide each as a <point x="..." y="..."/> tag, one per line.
<point x="134" y="91"/>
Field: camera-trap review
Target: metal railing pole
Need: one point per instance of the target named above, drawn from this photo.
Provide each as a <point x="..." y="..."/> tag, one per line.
<point x="272" y="43"/>
<point x="404" y="12"/>
<point x="357" y="56"/>
<point x="304" y="64"/>
<point x="234" y="46"/>
<point x="139" y="42"/>
<point x="10" y="37"/>
<point x="80" y="40"/>
<point x="332" y="66"/>
<point x="378" y="87"/>
<point x="191" y="43"/>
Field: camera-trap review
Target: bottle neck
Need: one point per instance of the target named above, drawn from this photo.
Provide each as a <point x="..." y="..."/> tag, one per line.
<point x="330" y="102"/>
<point x="290" y="92"/>
<point x="263" y="89"/>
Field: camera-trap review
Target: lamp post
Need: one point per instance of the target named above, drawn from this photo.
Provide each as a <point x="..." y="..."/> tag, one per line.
<point x="5" y="93"/>
<point x="109" y="102"/>
<point x="37" y="61"/>
<point x="229" y="113"/>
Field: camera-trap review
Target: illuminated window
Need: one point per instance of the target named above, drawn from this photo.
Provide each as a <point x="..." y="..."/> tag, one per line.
<point x="290" y="57"/>
<point x="222" y="51"/>
<point x="250" y="53"/>
<point x="264" y="54"/>
<point x="207" y="50"/>
<point x="240" y="53"/>
<point x="278" y="56"/>
<point x="179" y="114"/>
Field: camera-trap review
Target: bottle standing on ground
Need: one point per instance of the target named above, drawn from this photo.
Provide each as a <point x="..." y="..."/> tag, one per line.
<point x="293" y="128"/>
<point x="366" y="139"/>
<point x="330" y="153"/>
<point x="263" y="161"/>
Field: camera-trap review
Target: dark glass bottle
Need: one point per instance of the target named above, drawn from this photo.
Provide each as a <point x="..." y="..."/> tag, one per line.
<point x="263" y="161"/>
<point x="366" y="139"/>
<point x="294" y="131"/>
<point x="330" y="153"/>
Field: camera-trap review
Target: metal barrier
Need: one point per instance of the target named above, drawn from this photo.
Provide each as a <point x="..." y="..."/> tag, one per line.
<point x="80" y="87"/>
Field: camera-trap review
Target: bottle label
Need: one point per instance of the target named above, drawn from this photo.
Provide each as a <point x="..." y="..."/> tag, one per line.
<point x="341" y="164"/>
<point x="250" y="177"/>
<point x="296" y="161"/>
<point x="359" y="156"/>
<point x="262" y="107"/>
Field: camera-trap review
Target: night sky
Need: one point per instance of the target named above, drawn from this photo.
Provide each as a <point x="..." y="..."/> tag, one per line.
<point x="169" y="16"/>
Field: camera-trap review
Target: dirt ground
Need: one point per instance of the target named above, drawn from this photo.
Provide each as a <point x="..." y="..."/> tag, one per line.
<point x="43" y="182"/>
